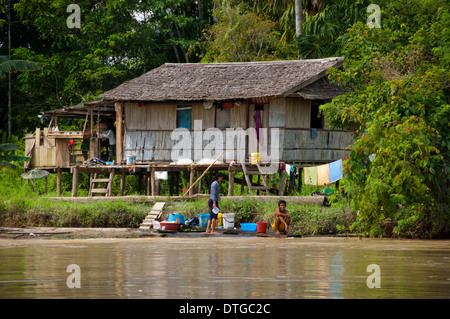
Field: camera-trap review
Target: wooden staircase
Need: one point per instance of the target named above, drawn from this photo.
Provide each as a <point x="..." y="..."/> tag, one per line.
<point x="107" y="191"/>
<point x="155" y="213"/>
<point x="255" y="169"/>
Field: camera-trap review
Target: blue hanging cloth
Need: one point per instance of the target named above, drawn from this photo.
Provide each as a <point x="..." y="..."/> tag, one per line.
<point x="336" y="171"/>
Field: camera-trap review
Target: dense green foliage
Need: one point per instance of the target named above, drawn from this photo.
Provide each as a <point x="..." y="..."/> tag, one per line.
<point x="399" y="107"/>
<point x="397" y="76"/>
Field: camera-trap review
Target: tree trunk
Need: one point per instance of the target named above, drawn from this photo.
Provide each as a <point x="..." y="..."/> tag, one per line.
<point x="298" y="18"/>
<point x="9" y="74"/>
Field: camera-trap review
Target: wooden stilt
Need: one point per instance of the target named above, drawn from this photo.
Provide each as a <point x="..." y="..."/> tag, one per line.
<point x="199" y="186"/>
<point x="147" y="184"/>
<point x="191" y="180"/>
<point x="58" y="181"/>
<point x="300" y="180"/>
<point x="152" y="181"/>
<point x="74" y="181"/>
<point x="230" y="182"/>
<point x="110" y="183"/>
<point x="193" y="183"/>
<point x="122" y="183"/>
<point x="282" y="183"/>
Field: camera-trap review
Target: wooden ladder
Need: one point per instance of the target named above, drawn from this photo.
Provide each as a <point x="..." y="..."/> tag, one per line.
<point x="248" y="171"/>
<point x="156" y="211"/>
<point x="96" y="180"/>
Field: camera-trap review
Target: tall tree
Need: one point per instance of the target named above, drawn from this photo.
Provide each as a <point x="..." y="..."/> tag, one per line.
<point x="398" y="105"/>
<point x="117" y="40"/>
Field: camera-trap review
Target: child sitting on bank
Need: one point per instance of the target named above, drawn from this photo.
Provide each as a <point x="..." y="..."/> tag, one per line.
<point x="282" y="218"/>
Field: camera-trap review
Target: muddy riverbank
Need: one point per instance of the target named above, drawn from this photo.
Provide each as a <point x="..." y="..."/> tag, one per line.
<point x="82" y="233"/>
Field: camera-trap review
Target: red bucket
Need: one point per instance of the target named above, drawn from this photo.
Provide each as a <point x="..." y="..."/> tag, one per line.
<point x="261" y="227"/>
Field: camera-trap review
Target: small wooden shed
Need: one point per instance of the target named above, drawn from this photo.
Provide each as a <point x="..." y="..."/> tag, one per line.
<point x="51" y="147"/>
<point x="280" y="95"/>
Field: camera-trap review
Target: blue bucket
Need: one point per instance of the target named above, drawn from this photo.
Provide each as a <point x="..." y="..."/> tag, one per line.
<point x="173" y="218"/>
<point x="203" y="220"/>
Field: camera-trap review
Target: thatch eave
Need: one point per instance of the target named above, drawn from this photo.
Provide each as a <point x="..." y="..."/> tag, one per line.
<point x="222" y="81"/>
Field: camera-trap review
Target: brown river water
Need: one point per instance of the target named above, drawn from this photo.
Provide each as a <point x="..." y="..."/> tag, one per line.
<point x="218" y="266"/>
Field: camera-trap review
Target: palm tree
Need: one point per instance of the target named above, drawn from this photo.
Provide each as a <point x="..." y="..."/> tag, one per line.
<point x="289" y="14"/>
<point x="12" y="66"/>
<point x="6" y="159"/>
<point x="323" y="31"/>
<point x="9" y="66"/>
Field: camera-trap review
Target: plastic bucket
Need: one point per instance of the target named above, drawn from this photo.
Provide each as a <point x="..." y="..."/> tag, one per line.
<point x="219" y="220"/>
<point x="255" y="158"/>
<point x="228" y="220"/>
<point x="261" y="227"/>
<point x="174" y="217"/>
<point x="131" y="159"/>
<point x="203" y="220"/>
<point x="248" y="227"/>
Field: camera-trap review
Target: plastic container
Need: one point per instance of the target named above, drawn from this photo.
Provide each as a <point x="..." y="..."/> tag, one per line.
<point x="174" y="217"/>
<point x="228" y="220"/>
<point x="131" y="159"/>
<point x="169" y="226"/>
<point x="248" y="227"/>
<point x="255" y="158"/>
<point x="203" y="220"/>
<point x="261" y="227"/>
<point x="219" y="220"/>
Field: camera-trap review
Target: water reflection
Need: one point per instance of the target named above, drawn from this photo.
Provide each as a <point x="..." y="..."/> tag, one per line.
<point x="225" y="267"/>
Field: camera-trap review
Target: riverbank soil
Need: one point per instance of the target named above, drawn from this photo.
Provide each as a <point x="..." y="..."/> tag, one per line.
<point x="86" y="233"/>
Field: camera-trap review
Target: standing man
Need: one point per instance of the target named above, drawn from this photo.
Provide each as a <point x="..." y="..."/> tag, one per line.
<point x="109" y="134"/>
<point x="213" y="202"/>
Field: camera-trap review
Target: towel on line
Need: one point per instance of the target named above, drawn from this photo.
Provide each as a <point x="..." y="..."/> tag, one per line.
<point x="310" y="175"/>
<point x="323" y="174"/>
<point x="336" y="170"/>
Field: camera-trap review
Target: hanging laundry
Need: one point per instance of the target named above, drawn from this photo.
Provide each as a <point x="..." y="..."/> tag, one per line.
<point x="288" y="169"/>
<point x="310" y="175"/>
<point x="292" y="175"/>
<point x="313" y="132"/>
<point x="335" y="169"/>
<point x="323" y="174"/>
<point x="257" y="118"/>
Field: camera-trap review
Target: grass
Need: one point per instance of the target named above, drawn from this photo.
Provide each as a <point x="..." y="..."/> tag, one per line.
<point x="27" y="206"/>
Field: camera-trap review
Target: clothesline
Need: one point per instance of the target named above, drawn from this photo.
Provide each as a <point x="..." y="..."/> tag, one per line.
<point x="324" y="174"/>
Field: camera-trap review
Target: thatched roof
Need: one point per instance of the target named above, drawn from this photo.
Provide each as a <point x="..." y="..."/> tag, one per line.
<point x="222" y="81"/>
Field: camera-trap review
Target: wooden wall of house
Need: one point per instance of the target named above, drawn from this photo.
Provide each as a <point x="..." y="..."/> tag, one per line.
<point x="46" y="150"/>
<point x="299" y="143"/>
<point x="149" y="127"/>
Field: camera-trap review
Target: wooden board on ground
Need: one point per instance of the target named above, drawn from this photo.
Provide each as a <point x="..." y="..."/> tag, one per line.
<point x="154" y="214"/>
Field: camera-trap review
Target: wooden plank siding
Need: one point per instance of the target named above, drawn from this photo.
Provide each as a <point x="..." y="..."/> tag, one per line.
<point x="149" y="128"/>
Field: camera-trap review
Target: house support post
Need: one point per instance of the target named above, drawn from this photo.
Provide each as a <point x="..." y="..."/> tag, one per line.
<point x="119" y="133"/>
<point x="230" y="181"/>
<point x="152" y="181"/>
<point x="74" y="181"/>
<point x="122" y="182"/>
<point x="58" y="181"/>
<point x="191" y="180"/>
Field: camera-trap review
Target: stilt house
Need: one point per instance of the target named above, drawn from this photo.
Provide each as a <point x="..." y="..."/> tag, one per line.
<point x="190" y="113"/>
<point x="281" y="95"/>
